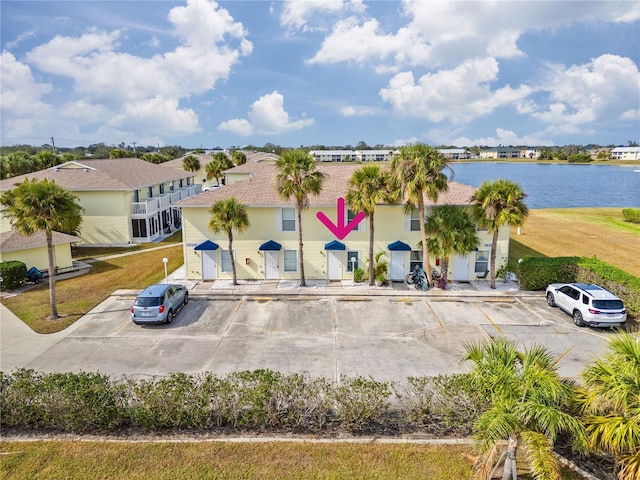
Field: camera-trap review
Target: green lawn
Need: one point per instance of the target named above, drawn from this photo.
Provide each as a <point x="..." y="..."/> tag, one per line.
<point x="90" y="460"/>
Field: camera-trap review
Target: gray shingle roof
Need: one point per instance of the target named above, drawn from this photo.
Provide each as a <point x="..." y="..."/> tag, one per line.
<point x="12" y="240"/>
<point x="259" y="189"/>
<point x="108" y="174"/>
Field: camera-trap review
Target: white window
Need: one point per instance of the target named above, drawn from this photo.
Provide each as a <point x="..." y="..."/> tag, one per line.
<point x="361" y="225"/>
<point x="225" y="261"/>
<point x="415" y="221"/>
<point x="482" y="262"/>
<point x="288" y="220"/>
<point x="290" y="260"/>
<point x="415" y="259"/>
<point x="353" y="260"/>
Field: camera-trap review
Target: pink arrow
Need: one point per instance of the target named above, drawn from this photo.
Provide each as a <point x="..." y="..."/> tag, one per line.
<point x="340" y="230"/>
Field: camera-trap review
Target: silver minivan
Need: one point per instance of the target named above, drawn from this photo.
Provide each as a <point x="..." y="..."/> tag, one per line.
<point x="159" y="303"/>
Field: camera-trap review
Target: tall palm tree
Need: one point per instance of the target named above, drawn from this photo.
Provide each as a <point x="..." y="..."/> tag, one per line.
<point x="226" y="216"/>
<point x="191" y="163"/>
<point x="298" y="178"/>
<point x="610" y="402"/>
<point x="416" y="172"/>
<point x="214" y="169"/>
<point x="43" y="205"/>
<point x="224" y="160"/>
<point x="526" y="405"/>
<point x="450" y="229"/>
<point x="498" y="204"/>
<point x="238" y="157"/>
<point x="368" y="186"/>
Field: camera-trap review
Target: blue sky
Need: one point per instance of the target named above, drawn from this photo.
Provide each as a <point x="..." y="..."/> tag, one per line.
<point x="332" y="72"/>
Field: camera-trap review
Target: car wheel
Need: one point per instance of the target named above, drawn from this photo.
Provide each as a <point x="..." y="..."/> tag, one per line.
<point x="186" y="299"/>
<point x="169" y="316"/>
<point x="577" y="318"/>
<point x="550" y="300"/>
<point x="409" y="279"/>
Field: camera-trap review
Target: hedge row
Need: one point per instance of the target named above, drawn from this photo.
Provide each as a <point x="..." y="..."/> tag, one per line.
<point x="12" y="274"/>
<point x="631" y="215"/>
<point x="259" y="400"/>
<point x="535" y="273"/>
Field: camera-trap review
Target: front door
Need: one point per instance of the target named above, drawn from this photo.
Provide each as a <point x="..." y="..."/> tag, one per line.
<point x="461" y="268"/>
<point x="209" y="266"/>
<point x="334" y="265"/>
<point x="272" y="268"/>
<point x="396" y="271"/>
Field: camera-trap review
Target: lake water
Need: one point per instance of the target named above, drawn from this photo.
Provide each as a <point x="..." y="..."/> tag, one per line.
<point x="560" y="185"/>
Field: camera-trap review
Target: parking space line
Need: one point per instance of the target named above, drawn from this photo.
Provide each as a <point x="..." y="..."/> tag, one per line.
<point x="435" y="315"/>
<point x="495" y="325"/>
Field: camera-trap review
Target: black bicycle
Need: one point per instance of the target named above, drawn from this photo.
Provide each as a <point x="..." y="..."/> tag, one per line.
<point x="418" y="278"/>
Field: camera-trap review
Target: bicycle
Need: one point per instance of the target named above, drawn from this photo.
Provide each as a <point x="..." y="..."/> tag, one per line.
<point x="417" y="278"/>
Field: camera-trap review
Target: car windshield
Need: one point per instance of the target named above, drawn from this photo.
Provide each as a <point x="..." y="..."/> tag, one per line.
<point x="147" y="302"/>
<point x="608" y="304"/>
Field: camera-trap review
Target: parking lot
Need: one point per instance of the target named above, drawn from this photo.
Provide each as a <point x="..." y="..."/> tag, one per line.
<point x="386" y="337"/>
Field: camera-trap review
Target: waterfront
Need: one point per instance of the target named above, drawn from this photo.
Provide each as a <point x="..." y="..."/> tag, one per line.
<point x="552" y="185"/>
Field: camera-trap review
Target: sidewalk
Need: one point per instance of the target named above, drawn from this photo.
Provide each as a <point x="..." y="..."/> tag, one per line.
<point x="344" y="288"/>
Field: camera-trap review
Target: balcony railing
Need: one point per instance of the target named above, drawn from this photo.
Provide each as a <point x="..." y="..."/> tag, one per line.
<point x="153" y="205"/>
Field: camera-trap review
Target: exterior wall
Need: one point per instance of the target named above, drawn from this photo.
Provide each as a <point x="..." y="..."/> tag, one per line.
<point x="38" y="257"/>
<point x="106" y="217"/>
<point x="235" y="177"/>
<point x="390" y="225"/>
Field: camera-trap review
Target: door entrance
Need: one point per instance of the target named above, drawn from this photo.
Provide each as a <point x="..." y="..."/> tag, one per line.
<point x="209" y="265"/>
<point x="461" y="268"/>
<point x="396" y="270"/>
<point x="272" y="267"/>
<point x="334" y="265"/>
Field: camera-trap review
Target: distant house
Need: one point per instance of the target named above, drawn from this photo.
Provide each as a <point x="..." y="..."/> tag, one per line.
<point x="530" y="153"/>
<point x="625" y="153"/>
<point x="455" y="153"/>
<point x="333" y="155"/>
<point x="500" y="152"/>
<point x="268" y="249"/>
<point x="32" y="250"/>
<point x="375" y="155"/>
<point x="125" y="200"/>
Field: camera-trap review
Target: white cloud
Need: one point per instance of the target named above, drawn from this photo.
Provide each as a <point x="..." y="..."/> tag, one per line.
<point x="449" y="33"/>
<point x="584" y="94"/>
<point x="359" y="111"/>
<point x="118" y="84"/>
<point x="22" y="105"/>
<point x="458" y="95"/>
<point x="304" y="15"/>
<point x="502" y="137"/>
<point x="267" y="117"/>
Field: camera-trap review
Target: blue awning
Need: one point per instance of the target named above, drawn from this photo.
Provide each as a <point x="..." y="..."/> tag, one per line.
<point x="335" y="245"/>
<point x="399" y="246"/>
<point x="206" y="245"/>
<point x="270" y="245"/>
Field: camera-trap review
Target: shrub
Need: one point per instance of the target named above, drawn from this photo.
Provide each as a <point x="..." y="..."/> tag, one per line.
<point x="444" y="404"/>
<point x="579" y="158"/>
<point x="72" y="402"/>
<point x="13" y="274"/>
<point x="631" y="215"/>
<point x="358" y="275"/>
<point x="536" y="273"/>
<point x="361" y="402"/>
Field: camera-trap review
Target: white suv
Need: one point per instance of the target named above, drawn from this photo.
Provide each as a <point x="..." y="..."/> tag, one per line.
<point x="587" y="304"/>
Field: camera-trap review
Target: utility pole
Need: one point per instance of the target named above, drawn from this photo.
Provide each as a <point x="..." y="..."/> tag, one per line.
<point x="53" y="145"/>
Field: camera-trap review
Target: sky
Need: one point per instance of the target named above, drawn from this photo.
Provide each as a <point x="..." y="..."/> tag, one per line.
<point x="205" y="74"/>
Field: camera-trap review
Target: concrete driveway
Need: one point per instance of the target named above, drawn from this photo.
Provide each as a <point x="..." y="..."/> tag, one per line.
<point x="388" y="337"/>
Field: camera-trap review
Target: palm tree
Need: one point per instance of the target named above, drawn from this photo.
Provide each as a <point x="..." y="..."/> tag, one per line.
<point x="226" y="216"/>
<point x="191" y="163"/>
<point x="498" y="204"/>
<point x="43" y="205"/>
<point x="214" y="169"/>
<point x="416" y="172"/>
<point x="368" y="186"/>
<point x="526" y="399"/>
<point x="610" y="402"/>
<point x="238" y="157"/>
<point x="298" y="178"/>
<point x="223" y="159"/>
<point x="450" y="229"/>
